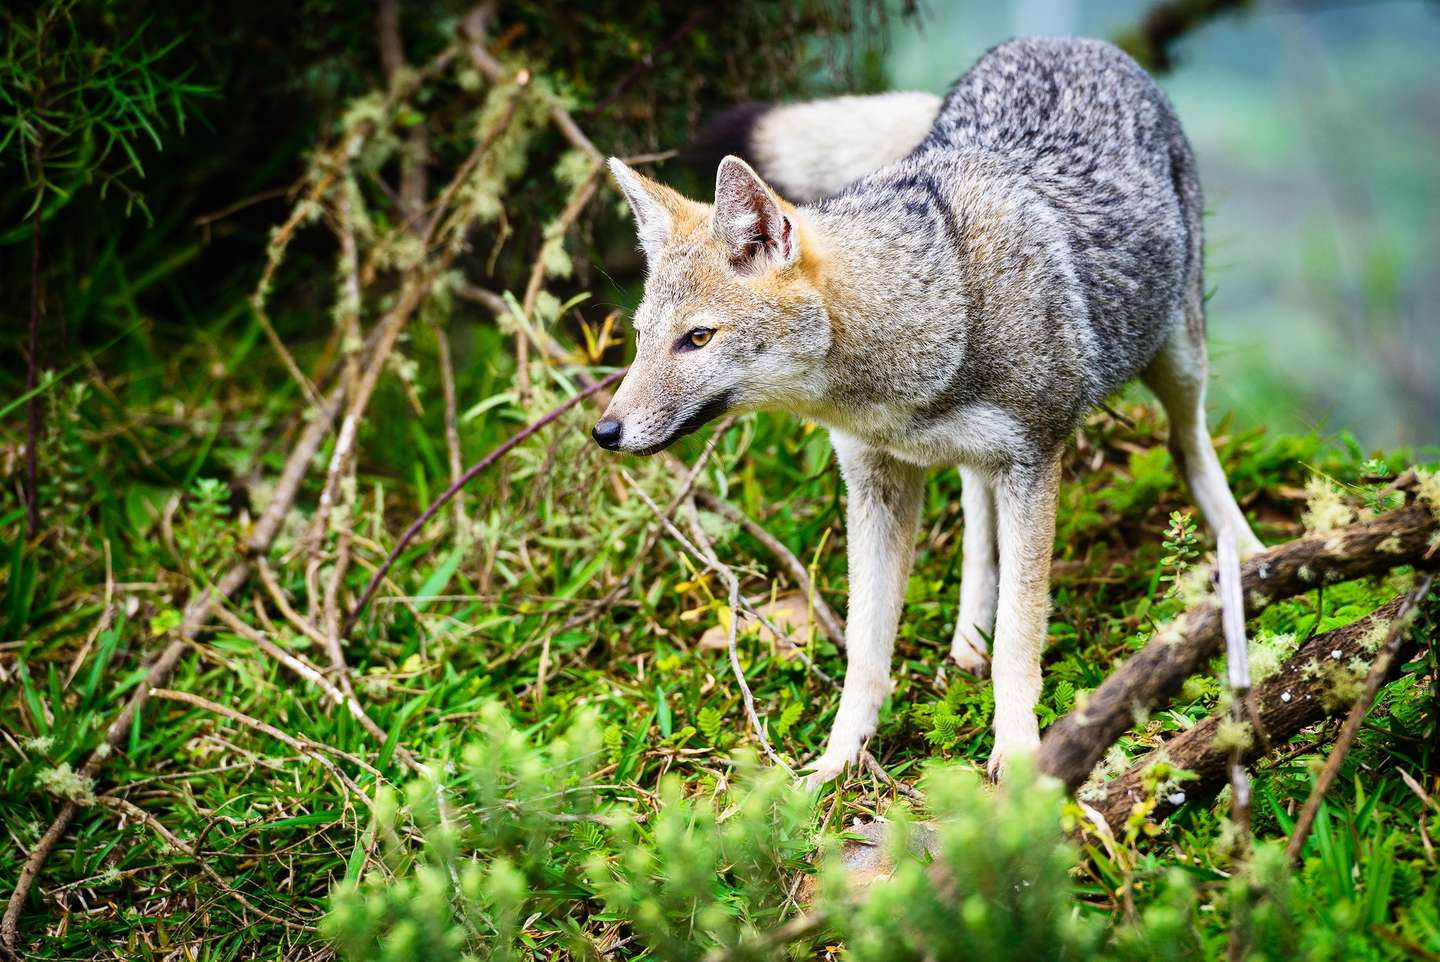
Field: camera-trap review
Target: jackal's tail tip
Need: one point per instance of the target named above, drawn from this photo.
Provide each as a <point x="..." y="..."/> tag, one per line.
<point x="812" y="149"/>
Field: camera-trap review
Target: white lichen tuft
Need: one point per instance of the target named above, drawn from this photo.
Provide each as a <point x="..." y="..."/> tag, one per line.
<point x="1325" y="509"/>
<point x="1427" y="489"/>
<point x="1232" y="733"/>
<point x="40" y="744"/>
<point x="1375" y="636"/>
<point x="1268" y="653"/>
<point x="64" y="782"/>
<point x="1391" y="545"/>
<point x="1195" y="588"/>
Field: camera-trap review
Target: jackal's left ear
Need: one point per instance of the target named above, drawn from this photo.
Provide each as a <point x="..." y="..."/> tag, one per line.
<point x="749" y="219"/>
<point x="647" y="203"/>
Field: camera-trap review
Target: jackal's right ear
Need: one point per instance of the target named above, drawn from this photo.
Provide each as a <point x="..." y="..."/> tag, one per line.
<point x="647" y="203"/>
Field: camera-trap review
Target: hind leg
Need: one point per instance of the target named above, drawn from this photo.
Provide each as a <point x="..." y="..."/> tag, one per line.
<point x="979" y="574"/>
<point x="1177" y="377"/>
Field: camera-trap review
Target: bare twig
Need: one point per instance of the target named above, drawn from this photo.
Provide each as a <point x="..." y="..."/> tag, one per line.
<point x="555" y="233"/>
<point x="311" y="750"/>
<point x="713" y="563"/>
<point x="465" y="479"/>
<point x="825" y="616"/>
<point x="1378" y="672"/>
<point x="154" y="824"/>
<point x="317" y="678"/>
<point x="1237" y="665"/>
<point x="452" y="426"/>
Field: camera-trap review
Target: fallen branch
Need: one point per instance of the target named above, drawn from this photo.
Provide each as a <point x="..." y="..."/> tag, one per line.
<point x="1379" y="671"/>
<point x="1286" y="703"/>
<point x="1075" y="743"/>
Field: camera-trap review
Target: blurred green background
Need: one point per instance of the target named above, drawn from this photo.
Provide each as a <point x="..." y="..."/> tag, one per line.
<point x="1317" y="127"/>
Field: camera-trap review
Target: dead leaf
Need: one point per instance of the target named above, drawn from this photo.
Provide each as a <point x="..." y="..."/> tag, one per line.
<point x="790" y="613"/>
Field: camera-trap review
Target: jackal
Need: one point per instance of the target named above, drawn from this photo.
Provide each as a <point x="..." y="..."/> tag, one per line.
<point x="960" y="294"/>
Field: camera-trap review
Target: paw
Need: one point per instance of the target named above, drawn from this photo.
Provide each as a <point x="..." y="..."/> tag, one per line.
<point x="826" y="769"/>
<point x="970" y="658"/>
<point x="1007" y="752"/>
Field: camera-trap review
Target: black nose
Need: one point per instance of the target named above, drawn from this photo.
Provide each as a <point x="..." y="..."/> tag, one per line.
<point x="607" y="433"/>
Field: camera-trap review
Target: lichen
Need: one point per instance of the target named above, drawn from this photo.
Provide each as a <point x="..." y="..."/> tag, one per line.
<point x="1194" y="587"/>
<point x="1325" y="510"/>
<point x="1268" y="653"/>
<point x="64" y="782"/>
<point x="1232" y="733"/>
<point x="1427" y="489"/>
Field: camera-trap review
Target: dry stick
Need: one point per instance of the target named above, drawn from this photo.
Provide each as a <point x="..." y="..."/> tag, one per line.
<point x="277" y="594"/>
<point x="462" y="173"/>
<point x="692" y="517"/>
<point x="414" y="156"/>
<point x="1378" y="671"/>
<point x="828" y="620"/>
<point x="1075" y="743"/>
<point x="452" y="427"/>
<point x="306" y="747"/>
<point x="154" y="824"/>
<point x="712" y="562"/>
<point x="317" y="678"/>
<point x="1287" y="703"/>
<point x="580" y="198"/>
<point x="349" y="350"/>
<point x="463" y="480"/>
<point x="32" y="360"/>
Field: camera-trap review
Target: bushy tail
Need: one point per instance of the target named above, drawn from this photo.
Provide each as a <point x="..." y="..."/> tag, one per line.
<point x="811" y="150"/>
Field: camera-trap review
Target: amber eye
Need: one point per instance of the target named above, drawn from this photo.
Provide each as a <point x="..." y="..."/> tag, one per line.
<point x="700" y="336"/>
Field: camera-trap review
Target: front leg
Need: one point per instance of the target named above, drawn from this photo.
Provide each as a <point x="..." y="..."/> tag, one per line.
<point x="1026" y="499"/>
<point x="881" y="521"/>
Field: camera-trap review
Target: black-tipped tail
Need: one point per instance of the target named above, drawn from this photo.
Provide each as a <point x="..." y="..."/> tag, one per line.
<point x="732" y="131"/>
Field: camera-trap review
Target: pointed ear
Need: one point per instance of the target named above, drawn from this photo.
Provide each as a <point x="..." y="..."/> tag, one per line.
<point x="749" y="220"/>
<point x="652" y="217"/>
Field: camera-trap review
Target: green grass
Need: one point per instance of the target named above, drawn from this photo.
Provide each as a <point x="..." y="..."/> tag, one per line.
<point x="476" y="629"/>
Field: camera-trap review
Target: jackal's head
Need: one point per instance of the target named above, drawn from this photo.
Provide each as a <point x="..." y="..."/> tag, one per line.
<point x="732" y="318"/>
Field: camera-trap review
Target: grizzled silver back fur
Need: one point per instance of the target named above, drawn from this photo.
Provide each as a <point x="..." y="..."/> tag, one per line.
<point x="1072" y="141"/>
